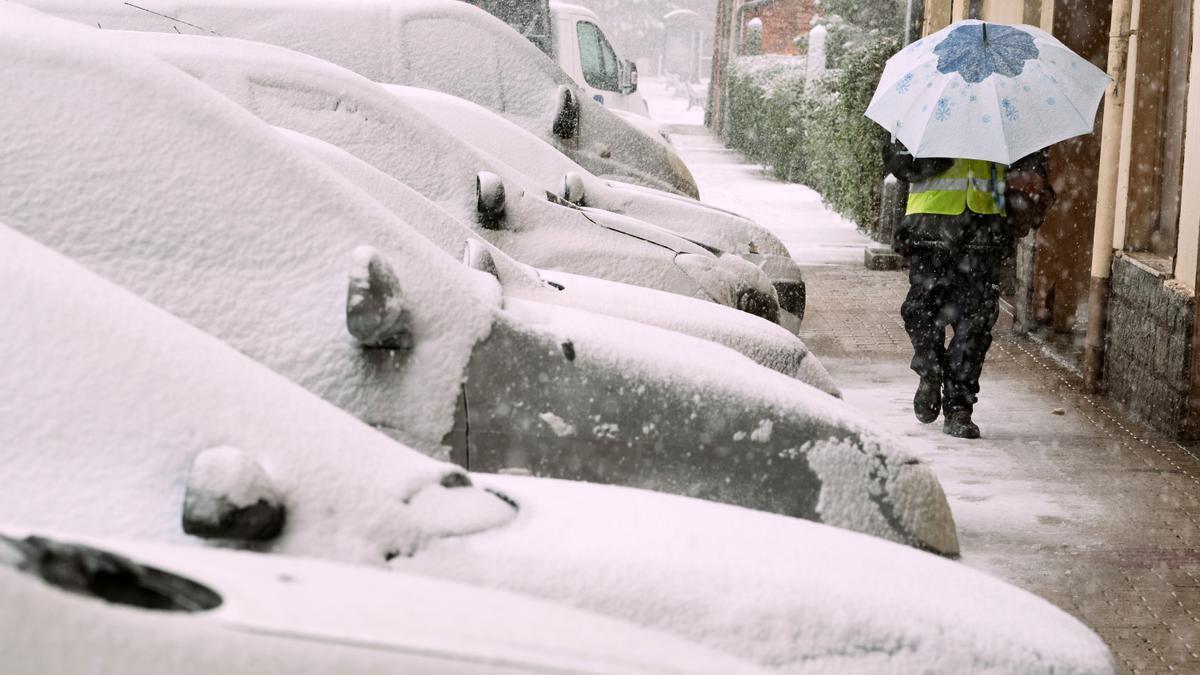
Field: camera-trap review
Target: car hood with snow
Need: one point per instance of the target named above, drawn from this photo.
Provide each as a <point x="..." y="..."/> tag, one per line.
<point x="437" y="44"/>
<point x="111" y="410"/>
<point x="171" y="190"/>
<point x="203" y="611"/>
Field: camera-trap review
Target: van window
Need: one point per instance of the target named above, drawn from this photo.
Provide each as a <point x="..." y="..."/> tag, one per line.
<point x="599" y="61"/>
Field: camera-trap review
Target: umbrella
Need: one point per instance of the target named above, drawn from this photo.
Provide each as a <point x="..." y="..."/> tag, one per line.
<point x="988" y="91"/>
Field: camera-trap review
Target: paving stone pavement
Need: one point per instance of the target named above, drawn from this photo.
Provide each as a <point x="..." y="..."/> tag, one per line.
<point x="1063" y="496"/>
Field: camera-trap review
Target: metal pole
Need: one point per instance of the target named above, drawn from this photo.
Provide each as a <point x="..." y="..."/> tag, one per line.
<point x="1106" y="195"/>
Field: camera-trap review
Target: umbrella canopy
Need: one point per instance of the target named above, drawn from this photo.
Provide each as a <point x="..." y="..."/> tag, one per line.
<point x="990" y="91"/>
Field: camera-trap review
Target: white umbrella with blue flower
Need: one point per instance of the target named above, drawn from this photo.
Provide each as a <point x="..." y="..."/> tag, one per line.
<point x="978" y="90"/>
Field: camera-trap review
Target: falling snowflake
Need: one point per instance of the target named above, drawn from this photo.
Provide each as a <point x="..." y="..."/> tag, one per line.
<point x="903" y="85"/>
<point x="987" y="119"/>
<point x="941" y="112"/>
<point x="1050" y="101"/>
<point x="1010" y="110"/>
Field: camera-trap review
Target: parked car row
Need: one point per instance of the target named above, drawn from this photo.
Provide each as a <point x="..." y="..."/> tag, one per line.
<point x="256" y="300"/>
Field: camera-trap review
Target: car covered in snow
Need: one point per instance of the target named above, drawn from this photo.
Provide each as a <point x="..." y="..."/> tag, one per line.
<point x="711" y="227"/>
<point x="117" y="419"/>
<point x="519" y="214"/>
<point x="766" y="344"/>
<point x="160" y="184"/>
<point x="446" y="45"/>
<point x="138" y="607"/>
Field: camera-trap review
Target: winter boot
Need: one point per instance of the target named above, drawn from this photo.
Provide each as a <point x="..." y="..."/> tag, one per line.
<point x="928" y="400"/>
<point x="959" y="425"/>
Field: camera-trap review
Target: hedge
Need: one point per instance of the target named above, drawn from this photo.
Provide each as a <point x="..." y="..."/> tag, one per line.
<point x="821" y="138"/>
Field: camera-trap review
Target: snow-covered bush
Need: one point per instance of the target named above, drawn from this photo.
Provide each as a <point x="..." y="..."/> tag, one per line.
<point x="841" y="147"/>
<point x="764" y="110"/>
<point x="821" y="138"/>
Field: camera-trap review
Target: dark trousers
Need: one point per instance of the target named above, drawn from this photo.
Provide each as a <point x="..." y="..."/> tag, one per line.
<point x="961" y="290"/>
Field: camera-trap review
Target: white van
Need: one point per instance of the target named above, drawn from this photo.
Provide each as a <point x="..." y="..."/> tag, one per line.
<point x="583" y="50"/>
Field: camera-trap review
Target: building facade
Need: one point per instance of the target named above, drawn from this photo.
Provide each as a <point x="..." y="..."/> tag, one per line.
<point x="783" y="21"/>
<point x="1111" y="277"/>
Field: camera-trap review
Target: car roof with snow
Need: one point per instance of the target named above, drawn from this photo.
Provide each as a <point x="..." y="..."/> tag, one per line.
<point x="415" y="42"/>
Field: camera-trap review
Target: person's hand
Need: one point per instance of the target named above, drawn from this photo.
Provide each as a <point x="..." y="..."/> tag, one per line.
<point x="1028" y="183"/>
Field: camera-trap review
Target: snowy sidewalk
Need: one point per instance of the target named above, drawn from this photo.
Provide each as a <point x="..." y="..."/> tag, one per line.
<point x="1062" y="496"/>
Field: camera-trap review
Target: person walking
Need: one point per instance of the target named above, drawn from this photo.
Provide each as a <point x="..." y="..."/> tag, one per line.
<point x="957" y="233"/>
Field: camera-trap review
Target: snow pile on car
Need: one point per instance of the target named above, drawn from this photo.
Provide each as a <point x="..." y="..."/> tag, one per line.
<point x="788" y="594"/>
<point x="111" y="411"/>
<point x="77" y="116"/>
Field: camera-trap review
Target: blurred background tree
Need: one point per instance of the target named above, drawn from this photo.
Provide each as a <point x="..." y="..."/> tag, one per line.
<point x="636" y="26"/>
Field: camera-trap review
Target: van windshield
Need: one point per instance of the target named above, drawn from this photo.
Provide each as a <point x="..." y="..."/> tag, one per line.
<point x="600" y="67"/>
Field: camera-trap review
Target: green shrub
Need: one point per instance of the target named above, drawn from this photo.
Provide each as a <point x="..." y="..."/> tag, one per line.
<point x="764" y="110"/>
<point x="822" y="138"/>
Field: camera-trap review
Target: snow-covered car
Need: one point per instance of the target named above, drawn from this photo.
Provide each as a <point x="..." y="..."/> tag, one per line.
<point x="165" y="187"/>
<point x="87" y="606"/>
<point x="119" y="420"/>
<point x="710" y="227"/>
<point x="299" y="92"/>
<point x="446" y="45"/>
<point x="764" y="343"/>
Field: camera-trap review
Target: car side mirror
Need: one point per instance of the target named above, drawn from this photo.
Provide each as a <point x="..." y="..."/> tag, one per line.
<point x="573" y="189"/>
<point x="375" y="312"/>
<point x="489" y="199"/>
<point x="629" y="77"/>
<point x="566" y="120"/>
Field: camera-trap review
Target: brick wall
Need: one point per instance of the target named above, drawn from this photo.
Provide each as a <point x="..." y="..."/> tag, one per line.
<point x="783" y="21"/>
<point x="1147" y="357"/>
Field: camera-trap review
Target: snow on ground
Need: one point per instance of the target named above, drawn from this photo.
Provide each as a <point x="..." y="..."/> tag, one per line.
<point x="813" y="234"/>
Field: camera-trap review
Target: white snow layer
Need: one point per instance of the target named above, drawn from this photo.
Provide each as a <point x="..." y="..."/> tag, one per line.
<point x="298" y="92"/>
<point x="767" y="344"/>
<point x="209" y="214"/>
<point x="286" y="615"/>
<point x="107" y="401"/>
<point x="534" y="157"/>
<point x="788" y="594"/>
<point x="437" y="45"/>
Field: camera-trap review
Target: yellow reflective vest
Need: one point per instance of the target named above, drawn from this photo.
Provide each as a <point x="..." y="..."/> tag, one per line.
<point x="968" y="184"/>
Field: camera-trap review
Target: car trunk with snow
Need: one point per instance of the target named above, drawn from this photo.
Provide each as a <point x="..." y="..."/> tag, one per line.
<point x="251" y="240"/>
